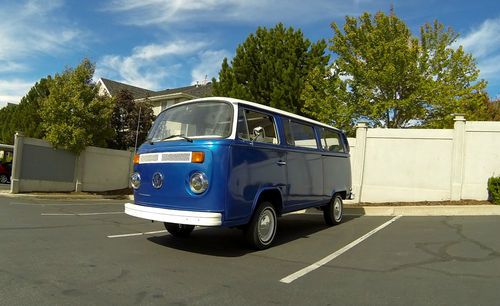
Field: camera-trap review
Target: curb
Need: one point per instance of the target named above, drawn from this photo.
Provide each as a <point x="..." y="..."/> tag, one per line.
<point x="67" y="196"/>
<point x="441" y="210"/>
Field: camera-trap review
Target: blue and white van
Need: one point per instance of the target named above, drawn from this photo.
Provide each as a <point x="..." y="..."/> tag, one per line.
<point x="232" y="163"/>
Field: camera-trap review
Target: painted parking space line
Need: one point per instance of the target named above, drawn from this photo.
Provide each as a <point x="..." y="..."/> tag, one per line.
<point x="290" y="278"/>
<point x="84" y="214"/>
<point x="136" y="234"/>
<point x="64" y="204"/>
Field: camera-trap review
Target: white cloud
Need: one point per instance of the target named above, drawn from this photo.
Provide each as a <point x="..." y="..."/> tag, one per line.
<point x="13" y="90"/>
<point x="148" y="66"/>
<point x="209" y="65"/>
<point x="33" y="27"/>
<point x="158" y="12"/>
<point x="483" y="40"/>
<point x="484" y="44"/>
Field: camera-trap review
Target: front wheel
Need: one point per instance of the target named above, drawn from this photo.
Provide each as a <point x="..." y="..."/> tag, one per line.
<point x="261" y="230"/>
<point x="333" y="211"/>
<point x="179" y="230"/>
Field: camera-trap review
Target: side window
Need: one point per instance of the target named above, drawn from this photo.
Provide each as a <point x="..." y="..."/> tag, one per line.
<point x="330" y="141"/>
<point x="256" y="126"/>
<point x="299" y="135"/>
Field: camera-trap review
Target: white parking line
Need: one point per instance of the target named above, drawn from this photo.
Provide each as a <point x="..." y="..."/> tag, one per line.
<point x="65" y="204"/>
<point x="136" y="234"/>
<point x="290" y="278"/>
<point x="84" y="214"/>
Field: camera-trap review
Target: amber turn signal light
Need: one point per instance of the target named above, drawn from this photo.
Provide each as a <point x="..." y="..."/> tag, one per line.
<point x="136" y="159"/>
<point x="197" y="157"/>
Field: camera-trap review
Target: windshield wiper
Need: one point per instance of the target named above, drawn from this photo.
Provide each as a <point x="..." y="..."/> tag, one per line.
<point x="178" y="135"/>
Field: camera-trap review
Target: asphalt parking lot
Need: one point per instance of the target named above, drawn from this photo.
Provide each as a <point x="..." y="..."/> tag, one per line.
<point x="89" y="252"/>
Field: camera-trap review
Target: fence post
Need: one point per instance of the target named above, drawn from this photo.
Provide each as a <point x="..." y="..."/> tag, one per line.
<point x="359" y="160"/>
<point x="80" y="162"/>
<point x="457" y="166"/>
<point x="17" y="162"/>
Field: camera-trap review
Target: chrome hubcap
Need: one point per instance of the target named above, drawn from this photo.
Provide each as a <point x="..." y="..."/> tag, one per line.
<point x="267" y="224"/>
<point x="337" y="209"/>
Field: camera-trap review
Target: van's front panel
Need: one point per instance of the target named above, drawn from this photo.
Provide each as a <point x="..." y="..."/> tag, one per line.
<point x="175" y="192"/>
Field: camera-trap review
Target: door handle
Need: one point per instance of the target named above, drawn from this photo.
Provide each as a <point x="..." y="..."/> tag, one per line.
<point x="281" y="163"/>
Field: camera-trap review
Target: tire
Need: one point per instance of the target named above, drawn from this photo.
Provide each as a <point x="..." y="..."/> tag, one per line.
<point x="261" y="230"/>
<point x="334" y="211"/>
<point x="179" y="230"/>
<point x="4" y="179"/>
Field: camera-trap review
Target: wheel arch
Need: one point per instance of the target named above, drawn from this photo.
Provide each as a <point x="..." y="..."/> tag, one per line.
<point x="271" y="194"/>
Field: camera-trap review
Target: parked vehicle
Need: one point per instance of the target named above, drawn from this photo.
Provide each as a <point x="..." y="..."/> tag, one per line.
<point x="5" y="172"/>
<point x="232" y="163"/>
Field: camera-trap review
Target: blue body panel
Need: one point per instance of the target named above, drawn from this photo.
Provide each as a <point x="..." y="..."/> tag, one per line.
<point x="175" y="193"/>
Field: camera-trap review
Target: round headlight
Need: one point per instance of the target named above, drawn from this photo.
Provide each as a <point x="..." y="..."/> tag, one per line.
<point x="135" y="180"/>
<point x="198" y="182"/>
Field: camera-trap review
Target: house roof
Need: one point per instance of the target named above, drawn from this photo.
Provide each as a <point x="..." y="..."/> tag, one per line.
<point x="197" y="91"/>
<point x="115" y="87"/>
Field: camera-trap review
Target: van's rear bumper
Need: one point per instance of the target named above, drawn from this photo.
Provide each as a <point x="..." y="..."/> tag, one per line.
<point x="174" y="216"/>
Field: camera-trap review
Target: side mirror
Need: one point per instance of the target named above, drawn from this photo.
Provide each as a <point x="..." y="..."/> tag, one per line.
<point x="258" y="131"/>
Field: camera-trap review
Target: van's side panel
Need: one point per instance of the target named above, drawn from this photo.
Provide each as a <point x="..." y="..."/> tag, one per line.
<point x="253" y="166"/>
<point x="336" y="173"/>
<point x="305" y="178"/>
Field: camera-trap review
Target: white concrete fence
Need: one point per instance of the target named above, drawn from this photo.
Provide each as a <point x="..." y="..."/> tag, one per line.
<point x="408" y="165"/>
<point x="39" y="167"/>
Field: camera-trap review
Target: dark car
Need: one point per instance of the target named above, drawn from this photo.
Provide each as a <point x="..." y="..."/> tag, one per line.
<point x="5" y="172"/>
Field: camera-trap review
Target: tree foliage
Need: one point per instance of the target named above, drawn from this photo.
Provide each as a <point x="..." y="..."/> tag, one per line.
<point x="385" y="74"/>
<point x="7" y="127"/>
<point x="270" y="68"/>
<point x="125" y="120"/>
<point x="25" y="116"/>
<point x="74" y="115"/>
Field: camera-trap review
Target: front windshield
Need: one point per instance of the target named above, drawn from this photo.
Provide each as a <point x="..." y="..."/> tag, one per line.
<point x="193" y="120"/>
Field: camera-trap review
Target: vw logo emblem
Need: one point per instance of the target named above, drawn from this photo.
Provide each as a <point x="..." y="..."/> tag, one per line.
<point x="157" y="180"/>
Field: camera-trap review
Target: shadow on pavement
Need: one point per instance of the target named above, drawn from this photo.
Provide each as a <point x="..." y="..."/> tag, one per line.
<point x="224" y="242"/>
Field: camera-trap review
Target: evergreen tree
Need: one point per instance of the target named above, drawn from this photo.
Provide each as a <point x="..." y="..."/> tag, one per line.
<point x="270" y="68"/>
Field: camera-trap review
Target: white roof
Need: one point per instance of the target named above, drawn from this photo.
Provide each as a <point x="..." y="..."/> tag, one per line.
<point x="260" y="106"/>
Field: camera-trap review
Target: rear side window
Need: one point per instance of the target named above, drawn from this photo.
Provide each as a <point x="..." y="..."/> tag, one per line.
<point x="256" y="126"/>
<point x="331" y="141"/>
<point x="299" y="134"/>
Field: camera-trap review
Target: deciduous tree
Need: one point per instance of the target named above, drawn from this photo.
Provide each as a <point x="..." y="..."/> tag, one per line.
<point x="127" y="117"/>
<point x="74" y="115"/>
<point x="387" y="75"/>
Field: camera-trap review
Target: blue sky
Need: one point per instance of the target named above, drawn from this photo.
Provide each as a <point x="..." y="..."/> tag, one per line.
<point x="159" y="44"/>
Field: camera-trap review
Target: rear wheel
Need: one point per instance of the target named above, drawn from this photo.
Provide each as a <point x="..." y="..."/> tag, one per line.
<point x="179" y="230"/>
<point x="261" y="230"/>
<point x="333" y="211"/>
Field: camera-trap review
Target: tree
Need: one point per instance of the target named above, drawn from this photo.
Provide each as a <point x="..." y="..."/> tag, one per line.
<point x="125" y="120"/>
<point x="391" y="78"/>
<point x="74" y="115"/>
<point x="494" y="110"/>
<point x="27" y="115"/>
<point x="7" y="118"/>
<point x="270" y="68"/>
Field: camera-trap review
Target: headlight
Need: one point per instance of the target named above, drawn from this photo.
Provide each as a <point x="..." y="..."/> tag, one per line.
<point x="198" y="182"/>
<point x="135" y="180"/>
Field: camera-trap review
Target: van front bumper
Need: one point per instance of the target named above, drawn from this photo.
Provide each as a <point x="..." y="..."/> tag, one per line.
<point x="173" y="216"/>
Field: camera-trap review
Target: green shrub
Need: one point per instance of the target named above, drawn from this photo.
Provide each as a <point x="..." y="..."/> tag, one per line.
<point x="494" y="189"/>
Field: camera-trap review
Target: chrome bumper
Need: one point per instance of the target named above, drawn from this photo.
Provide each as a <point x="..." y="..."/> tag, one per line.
<point x="173" y="216"/>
